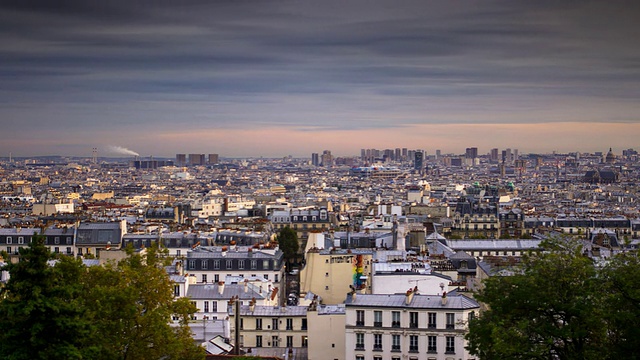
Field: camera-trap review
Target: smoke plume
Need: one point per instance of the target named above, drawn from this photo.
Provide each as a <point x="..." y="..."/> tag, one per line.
<point x="121" y="150"/>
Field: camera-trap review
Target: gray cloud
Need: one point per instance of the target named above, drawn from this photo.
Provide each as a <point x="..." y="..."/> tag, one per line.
<point x="334" y="65"/>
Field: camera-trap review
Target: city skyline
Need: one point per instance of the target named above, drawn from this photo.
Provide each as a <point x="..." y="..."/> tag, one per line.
<point x="274" y="79"/>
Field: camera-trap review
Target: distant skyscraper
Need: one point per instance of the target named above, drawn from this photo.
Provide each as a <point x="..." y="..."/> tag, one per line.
<point x="404" y="154"/>
<point x="196" y="159"/>
<point x="213" y="158"/>
<point x="398" y="155"/>
<point x="494" y="155"/>
<point x="327" y="158"/>
<point x="363" y="154"/>
<point x="471" y="153"/>
<point x="515" y="155"/>
<point x="315" y="159"/>
<point x="418" y="161"/>
<point x="438" y="154"/>
<point x="181" y="159"/>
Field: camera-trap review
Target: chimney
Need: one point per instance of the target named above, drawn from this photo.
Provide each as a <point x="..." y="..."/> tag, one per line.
<point x="252" y="304"/>
<point x="246" y="285"/>
<point x="409" y="296"/>
<point x="221" y="287"/>
<point x="444" y="298"/>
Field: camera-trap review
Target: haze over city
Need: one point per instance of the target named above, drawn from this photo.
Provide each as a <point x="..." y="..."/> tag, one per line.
<point x="263" y="78"/>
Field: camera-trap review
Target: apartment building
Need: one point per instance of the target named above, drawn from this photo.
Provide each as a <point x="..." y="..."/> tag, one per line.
<point x="407" y="326"/>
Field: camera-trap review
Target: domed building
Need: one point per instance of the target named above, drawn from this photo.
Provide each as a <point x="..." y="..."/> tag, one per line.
<point x="610" y="158"/>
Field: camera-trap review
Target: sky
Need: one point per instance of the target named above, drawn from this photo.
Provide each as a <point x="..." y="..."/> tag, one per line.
<point x="277" y="78"/>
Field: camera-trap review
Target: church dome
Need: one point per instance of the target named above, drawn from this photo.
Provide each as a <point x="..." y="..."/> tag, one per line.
<point x="611" y="158"/>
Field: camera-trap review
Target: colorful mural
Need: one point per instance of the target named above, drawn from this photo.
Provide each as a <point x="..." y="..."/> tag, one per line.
<point x="358" y="272"/>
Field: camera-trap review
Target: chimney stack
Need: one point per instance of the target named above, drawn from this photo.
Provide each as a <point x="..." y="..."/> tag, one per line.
<point x="444" y="298"/>
<point x="409" y="296"/>
<point x="221" y="287"/>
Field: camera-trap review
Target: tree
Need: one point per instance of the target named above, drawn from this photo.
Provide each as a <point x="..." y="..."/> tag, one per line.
<point x="42" y="311"/>
<point x="64" y="310"/>
<point x="133" y="308"/>
<point x="288" y="243"/>
<point x="551" y="309"/>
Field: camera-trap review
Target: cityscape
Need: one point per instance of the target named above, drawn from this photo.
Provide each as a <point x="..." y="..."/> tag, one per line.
<point x="319" y="180"/>
<point x="380" y="233"/>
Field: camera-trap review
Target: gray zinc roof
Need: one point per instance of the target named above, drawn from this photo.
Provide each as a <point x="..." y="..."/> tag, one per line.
<point x="459" y="302"/>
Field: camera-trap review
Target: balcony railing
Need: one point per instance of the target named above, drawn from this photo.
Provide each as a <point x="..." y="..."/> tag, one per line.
<point x="395" y="324"/>
<point x="377" y="323"/>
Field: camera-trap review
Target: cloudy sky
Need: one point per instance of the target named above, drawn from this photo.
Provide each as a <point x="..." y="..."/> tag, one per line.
<point x="277" y="78"/>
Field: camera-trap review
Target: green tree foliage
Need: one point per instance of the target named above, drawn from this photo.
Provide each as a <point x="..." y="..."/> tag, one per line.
<point x="288" y="243"/>
<point x="117" y="311"/>
<point x="560" y="306"/>
<point x="42" y="311"/>
<point x="133" y="305"/>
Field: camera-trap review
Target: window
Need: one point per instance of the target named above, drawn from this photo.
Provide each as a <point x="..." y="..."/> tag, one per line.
<point x="305" y="341"/>
<point x="304" y="324"/>
<point x="192" y="264"/>
<point x="276" y="278"/>
<point x="20" y="239"/>
<point x="359" y="317"/>
<point x="395" y="319"/>
<point x="274" y="324"/>
<point x="451" y="347"/>
<point x="56" y="240"/>
<point x="253" y="264"/>
<point x="229" y="264"/>
<point x="431" y="344"/>
<point x="377" y="318"/>
<point x="266" y="276"/>
<point x="204" y="278"/>
<point x="214" y="307"/>
<point x="451" y="321"/>
<point x="289" y="324"/>
<point x="377" y="358"/>
<point x="206" y="306"/>
<point x="56" y="250"/>
<point x="359" y="357"/>
<point x="274" y="341"/>
<point x="289" y="341"/>
<point x="258" y="324"/>
<point x="9" y="250"/>
<point x="241" y="321"/>
<point x="413" y="319"/>
<point x="265" y="264"/>
<point x="203" y="264"/>
<point x="413" y="343"/>
<point x="216" y="264"/>
<point x="241" y="264"/>
<point x="69" y="241"/>
<point x="9" y="240"/>
<point x="395" y="342"/>
<point x="431" y="324"/>
<point x="176" y="290"/>
<point x="359" y="341"/>
<point x="472" y="315"/>
<point x="377" y="342"/>
<point x="68" y="250"/>
<point x="258" y="340"/>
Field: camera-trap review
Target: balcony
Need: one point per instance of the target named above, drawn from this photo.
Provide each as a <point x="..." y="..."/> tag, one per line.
<point x="395" y="348"/>
<point x="395" y="324"/>
<point x="413" y="349"/>
<point x="431" y="326"/>
<point x="451" y="326"/>
<point x="413" y="325"/>
<point x="377" y="347"/>
<point x="432" y="350"/>
<point x="359" y="322"/>
<point x="359" y="346"/>
<point x="377" y="324"/>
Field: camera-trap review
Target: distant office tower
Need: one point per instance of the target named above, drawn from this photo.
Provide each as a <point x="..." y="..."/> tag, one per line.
<point x="196" y="159"/>
<point x="515" y="154"/>
<point x="404" y="154"/>
<point x="456" y="161"/>
<point x="471" y="153"/>
<point x="398" y="155"/>
<point x="418" y="160"/>
<point x="494" y="155"/>
<point x="327" y="158"/>
<point x="438" y="154"/>
<point x="363" y="154"/>
<point x="508" y="155"/>
<point x="213" y="158"/>
<point x="315" y="159"/>
<point x="181" y="159"/>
